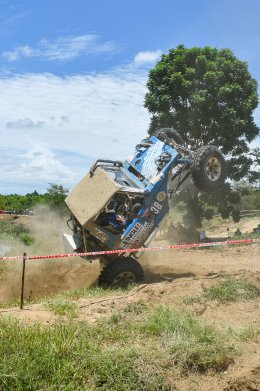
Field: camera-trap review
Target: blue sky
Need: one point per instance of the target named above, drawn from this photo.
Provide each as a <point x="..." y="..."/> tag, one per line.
<point x="73" y="76"/>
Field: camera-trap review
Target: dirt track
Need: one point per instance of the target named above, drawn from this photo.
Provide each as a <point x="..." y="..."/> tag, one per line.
<point x="52" y="276"/>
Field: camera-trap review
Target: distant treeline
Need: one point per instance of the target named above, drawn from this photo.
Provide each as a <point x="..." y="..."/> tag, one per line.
<point x="22" y="202"/>
<point x="54" y="197"/>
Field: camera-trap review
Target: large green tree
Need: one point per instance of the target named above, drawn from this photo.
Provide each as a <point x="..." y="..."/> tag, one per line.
<point x="56" y="195"/>
<point x="208" y="96"/>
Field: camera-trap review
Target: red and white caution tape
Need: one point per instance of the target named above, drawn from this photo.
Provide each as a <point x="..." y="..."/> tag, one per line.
<point x="135" y="250"/>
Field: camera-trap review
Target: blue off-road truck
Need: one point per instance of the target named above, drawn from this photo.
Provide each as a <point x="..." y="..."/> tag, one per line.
<point x="120" y="205"/>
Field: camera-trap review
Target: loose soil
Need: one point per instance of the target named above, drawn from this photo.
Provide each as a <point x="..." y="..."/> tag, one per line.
<point x="227" y="228"/>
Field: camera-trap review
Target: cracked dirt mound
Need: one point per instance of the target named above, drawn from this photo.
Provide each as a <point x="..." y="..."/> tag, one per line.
<point x="248" y="381"/>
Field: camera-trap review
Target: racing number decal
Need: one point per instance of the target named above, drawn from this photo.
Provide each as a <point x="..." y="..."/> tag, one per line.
<point x="156" y="208"/>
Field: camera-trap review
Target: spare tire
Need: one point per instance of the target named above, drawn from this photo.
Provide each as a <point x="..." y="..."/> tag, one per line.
<point x="208" y="168"/>
<point x="170" y="133"/>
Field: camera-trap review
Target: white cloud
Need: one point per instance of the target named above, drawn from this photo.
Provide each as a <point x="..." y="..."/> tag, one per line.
<point x="21" y="51"/>
<point x="147" y="57"/>
<point x="34" y="169"/>
<point x="24" y="123"/>
<point x="41" y="159"/>
<point x="62" y="49"/>
<point x="85" y="117"/>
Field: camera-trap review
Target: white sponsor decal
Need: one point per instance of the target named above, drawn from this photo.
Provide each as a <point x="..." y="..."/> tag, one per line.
<point x="130" y="238"/>
<point x="137" y="234"/>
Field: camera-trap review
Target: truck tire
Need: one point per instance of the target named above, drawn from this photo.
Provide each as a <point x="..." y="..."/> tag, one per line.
<point x="208" y="168"/>
<point x="121" y="273"/>
<point x="170" y="133"/>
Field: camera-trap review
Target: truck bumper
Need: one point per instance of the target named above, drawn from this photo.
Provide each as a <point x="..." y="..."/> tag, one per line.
<point x="71" y="243"/>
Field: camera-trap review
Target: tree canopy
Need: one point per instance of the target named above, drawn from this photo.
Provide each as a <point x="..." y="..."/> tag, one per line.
<point x="209" y="96"/>
<point x="56" y="195"/>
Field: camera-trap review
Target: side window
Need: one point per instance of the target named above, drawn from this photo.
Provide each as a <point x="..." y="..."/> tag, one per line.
<point x="120" y="212"/>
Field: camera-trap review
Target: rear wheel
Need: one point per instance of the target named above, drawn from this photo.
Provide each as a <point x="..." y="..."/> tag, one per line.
<point x="121" y="273"/>
<point x="208" y="168"/>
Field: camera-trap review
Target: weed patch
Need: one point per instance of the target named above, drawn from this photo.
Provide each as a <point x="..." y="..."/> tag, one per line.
<point x="14" y="230"/>
<point x="225" y="291"/>
<point x="62" y="308"/>
<point x="193" y="344"/>
<point x="248" y="333"/>
<point x="230" y="289"/>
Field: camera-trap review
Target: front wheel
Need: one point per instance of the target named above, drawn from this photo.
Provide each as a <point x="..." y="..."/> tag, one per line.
<point x="208" y="168"/>
<point x="121" y="273"/>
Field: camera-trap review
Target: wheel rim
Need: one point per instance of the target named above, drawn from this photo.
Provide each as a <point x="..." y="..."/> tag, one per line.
<point x="124" y="278"/>
<point x="213" y="169"/>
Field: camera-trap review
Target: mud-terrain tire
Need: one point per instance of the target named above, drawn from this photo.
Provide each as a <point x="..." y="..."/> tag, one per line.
<point x="170" y="133"/>
<point x="121" y="273"/>
<point x="208" y="168"/>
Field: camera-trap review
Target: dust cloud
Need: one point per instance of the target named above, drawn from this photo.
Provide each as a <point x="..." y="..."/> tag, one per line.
<point x="43" y="277"/>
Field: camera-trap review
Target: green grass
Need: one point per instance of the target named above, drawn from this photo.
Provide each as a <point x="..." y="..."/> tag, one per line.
<point x="62" y="308"/>
<point x="139" y="349"/>
<point x="10" y="228"/>
<point x="250" y="332"/>
<point x="194" y="345"/>
<point x="225" y="291"/>
<point x="26" y="239"/>
<point x="230" y="289"/>
<point x="129" y="311"/>
<point x="72" y="357"/>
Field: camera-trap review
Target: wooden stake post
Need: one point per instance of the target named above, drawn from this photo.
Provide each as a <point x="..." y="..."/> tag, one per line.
<point x="23" y="275"/>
